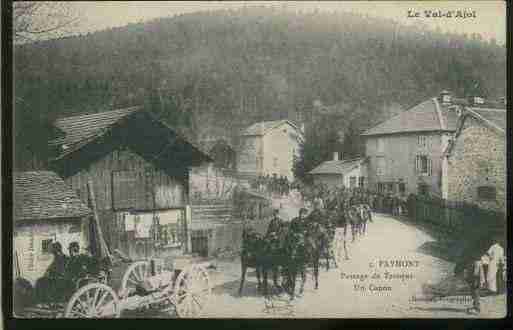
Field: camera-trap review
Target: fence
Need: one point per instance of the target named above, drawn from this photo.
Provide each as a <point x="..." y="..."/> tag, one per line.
<point x="456" y="217"/>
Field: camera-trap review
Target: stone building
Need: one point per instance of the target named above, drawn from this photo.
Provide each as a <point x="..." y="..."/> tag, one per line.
<point x="475" y="160"/>
<point x="350" y="173"/>
<point x="269" y="148"/>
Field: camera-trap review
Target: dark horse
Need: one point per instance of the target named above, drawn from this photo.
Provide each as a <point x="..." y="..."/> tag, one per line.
<point x="305" y="243"/>
<point x="264" y="254"/>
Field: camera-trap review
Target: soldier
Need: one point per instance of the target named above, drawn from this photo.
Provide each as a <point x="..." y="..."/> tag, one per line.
<point x="275" y="224"/>
<point x="298" y="224"/>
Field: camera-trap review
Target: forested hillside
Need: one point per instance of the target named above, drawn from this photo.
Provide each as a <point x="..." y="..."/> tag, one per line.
<point x="208" y="74"/>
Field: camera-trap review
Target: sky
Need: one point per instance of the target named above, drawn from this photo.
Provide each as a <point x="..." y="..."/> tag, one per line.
<point x="489" y="20"/>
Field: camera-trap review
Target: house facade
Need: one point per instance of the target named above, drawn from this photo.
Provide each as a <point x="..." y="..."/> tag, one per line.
<point x="46" y="211"/>
<point x="139" y="171"/>
<point x="475" y="161"/>
<point x="405" y="152"/>
<point x="269" y="148"/>
<point x="349" y="173"/>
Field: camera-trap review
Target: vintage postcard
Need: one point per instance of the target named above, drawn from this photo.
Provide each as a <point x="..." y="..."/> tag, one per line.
<point x="259" y="159"/>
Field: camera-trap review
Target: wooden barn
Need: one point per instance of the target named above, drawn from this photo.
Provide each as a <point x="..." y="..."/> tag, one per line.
<point x="45" y="211"/>
<point x="139" y="169"/>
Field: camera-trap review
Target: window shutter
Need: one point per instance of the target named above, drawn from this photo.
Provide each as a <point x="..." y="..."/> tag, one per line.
<point x="430" y="167"/>
<point x="416" y="164"/>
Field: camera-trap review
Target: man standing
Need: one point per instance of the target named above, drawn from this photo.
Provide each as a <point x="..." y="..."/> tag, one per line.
<point x="496" y="256"/>
<point x="469" y="268"/>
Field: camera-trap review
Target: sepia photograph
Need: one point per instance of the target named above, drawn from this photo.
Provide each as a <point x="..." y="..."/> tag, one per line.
<point x="258" y="159"/>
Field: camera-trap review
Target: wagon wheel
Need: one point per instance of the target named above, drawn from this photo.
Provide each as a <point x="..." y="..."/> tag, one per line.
<point x="94" y="300"/>
<point x="192" y="291"/>
<point x="134" y="275"/>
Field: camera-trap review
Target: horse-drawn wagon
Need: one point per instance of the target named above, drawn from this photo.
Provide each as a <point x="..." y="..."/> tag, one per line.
<point x="147" y="284"/>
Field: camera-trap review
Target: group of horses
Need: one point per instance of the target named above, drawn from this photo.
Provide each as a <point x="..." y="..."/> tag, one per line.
<point x="288" y="249"/>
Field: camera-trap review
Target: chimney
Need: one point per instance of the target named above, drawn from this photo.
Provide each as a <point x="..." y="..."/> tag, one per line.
<point x="445" y="97"/>
<point x="335" y="155"/>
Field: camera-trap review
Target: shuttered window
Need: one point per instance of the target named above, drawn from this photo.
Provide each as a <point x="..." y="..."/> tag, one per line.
<point x="130" y="190"/>
<point x="423" y="165"/>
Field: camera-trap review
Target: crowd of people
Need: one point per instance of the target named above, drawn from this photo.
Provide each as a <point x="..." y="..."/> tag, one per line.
<point x="379" y="202"/>
<point x="276" y="185"/>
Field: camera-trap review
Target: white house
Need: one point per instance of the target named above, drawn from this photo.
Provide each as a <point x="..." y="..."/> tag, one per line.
<point x="269" y="147"/>
<point x="46" y="210"/>
<point x="350" y="173"/>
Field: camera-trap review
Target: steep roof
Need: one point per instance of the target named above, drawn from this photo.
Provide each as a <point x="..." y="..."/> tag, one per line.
<point x="494" y="118"/>
<point x="429" y="115"/>
<point x="80" y="130"/>
<point x="337" y="166"/>
<point x="152" y="138"/>
<point x="44" y="195"/>
<point x="264" y="127"/>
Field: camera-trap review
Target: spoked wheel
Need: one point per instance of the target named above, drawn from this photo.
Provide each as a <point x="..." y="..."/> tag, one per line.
<point x="192" y="291"/>
<point x="134" y="275"/>
<point x="94" y="300"/>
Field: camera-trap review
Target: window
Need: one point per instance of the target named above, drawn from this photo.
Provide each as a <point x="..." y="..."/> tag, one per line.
<point x="487" y="193"/>
<point x="380" y="145"/>
<point x="422" y="141"/>
<point x="46" y="245"/>
<point x="402" y="187"/>
<point x="275" y="162"/>
<point x="380" y="165"/>
<point x="390" y="187"/>
<point x="381" y="187"/>
<point x="352" y="182"/>
<point x="423" y="165"/>
<point x="361" y="181"/>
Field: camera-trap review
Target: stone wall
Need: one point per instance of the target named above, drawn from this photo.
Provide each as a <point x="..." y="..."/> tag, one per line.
<point x="478" y="158"/>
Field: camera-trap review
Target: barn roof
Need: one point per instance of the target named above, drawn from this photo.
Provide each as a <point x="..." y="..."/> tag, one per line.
<point x="44" y="195"/>
<point x="153" y="139"/>
<point x="264" y="127"/>
<point x="81" y="129"/>
<point x="429" y="115"/>
<point x="337" y="166"/>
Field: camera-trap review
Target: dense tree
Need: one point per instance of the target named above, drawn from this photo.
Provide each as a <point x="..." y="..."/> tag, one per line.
<point x="209" y="74"/>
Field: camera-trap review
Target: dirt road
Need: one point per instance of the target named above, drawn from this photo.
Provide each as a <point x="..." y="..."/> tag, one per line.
<point x="389" y="250"/>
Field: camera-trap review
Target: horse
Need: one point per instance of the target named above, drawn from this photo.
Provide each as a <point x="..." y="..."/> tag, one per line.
<point x="252" y="246"/>
<point x="262" y="253"/>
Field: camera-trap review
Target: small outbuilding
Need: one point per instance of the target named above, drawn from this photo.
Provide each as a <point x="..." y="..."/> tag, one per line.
<point x="350" y="173"/>
<point x="46" y="210"/>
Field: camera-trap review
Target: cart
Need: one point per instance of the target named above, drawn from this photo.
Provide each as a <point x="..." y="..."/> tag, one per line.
<point x="145" y="284"/>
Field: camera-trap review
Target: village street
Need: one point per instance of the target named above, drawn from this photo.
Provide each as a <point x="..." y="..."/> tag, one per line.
<point x="345" y="292"/>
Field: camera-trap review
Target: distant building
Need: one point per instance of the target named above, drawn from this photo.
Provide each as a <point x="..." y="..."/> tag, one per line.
<point x="46" y="211"/>
<point x="475" y="161"/>
<point x="405" y="152"/>
<point x="269" y="147"/>
<point x="350" y="173"/>
<point x="139" y="168"/>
